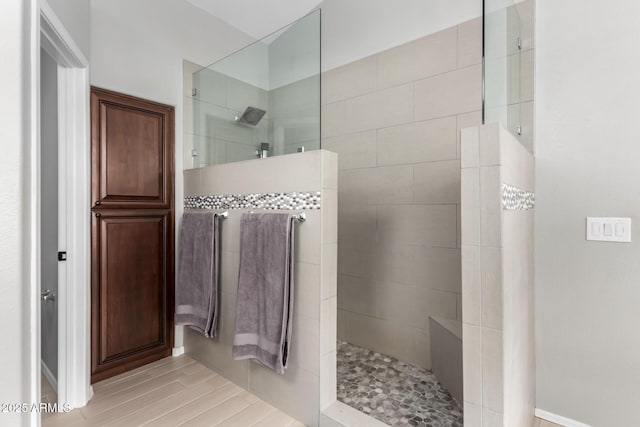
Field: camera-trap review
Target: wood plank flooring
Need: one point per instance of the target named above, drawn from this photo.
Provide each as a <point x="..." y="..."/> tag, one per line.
<point x="543" y="423"/>
<point x="47" y="393"/>
<point x="176" y="391"/>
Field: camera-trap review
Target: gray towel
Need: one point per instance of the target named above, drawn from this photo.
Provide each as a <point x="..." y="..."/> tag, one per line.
<point x="198" y="266"/>
<point x="264" y="310"/>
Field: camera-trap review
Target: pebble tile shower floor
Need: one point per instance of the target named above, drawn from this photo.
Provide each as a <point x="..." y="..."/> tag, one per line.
<point x="394" y="392"/>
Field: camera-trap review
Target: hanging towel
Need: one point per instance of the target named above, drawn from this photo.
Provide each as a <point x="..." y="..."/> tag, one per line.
<point x="264" y="308"/>
<point x="198" y="266"/>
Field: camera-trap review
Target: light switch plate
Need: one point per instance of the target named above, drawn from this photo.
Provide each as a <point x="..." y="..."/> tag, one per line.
<point x="609" y="229"/>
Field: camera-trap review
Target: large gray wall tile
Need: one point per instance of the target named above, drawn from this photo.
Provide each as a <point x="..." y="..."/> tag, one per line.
<point x="470" y="43"/>
<point x="427" y="56"/>
<point x="384" y="108"/>
<point x="437" y="182"/>
<point x="470" y="205"/>
<point x="357" y="150"/>
<point x="447" y="94"/>
<point x="490" y="207"/>
<point x="297" y="393"/>
<point x="492" y="370"/>
<point x="417" y="142"/>
<point x="418" y="225"/>
<point x="354" y="79"/>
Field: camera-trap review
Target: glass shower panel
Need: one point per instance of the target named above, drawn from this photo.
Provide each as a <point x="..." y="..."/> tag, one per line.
<point x="502" y="44"/>
<point x="265" y="93"/>
<point x="294" y="81"/>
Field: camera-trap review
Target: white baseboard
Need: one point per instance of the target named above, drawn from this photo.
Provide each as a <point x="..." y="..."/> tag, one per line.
<point x="177" y="351"/>
<point x="558" y="419"/>
<point x="48" y="375"/>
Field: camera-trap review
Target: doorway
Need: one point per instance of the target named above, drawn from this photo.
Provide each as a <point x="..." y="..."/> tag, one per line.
<point x="61" y="171"/>
<point x="51" y="240"/>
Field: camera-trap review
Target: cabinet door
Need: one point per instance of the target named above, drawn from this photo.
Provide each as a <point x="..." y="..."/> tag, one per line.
<point x="132" y="152"/>
<point x="132" y="289"/>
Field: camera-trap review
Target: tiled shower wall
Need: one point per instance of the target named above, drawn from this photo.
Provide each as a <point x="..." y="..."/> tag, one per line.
<point x="308" y="384"/>
<point x="497" y="278"/>
<point x="394" y="119"/>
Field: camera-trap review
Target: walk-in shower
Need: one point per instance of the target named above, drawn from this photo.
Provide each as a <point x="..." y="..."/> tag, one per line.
<point x="394" y="117"/>
<point x="395" y="124"/>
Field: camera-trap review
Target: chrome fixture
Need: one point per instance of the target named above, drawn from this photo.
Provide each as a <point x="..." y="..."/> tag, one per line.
<point x="301" y="149"/>
<point x="301" y="217"/>
<point x="251" y="116"/>
<point x="194" y="92"/>
<point x="263" y="153"/>
<point x="47" y="295"/>
<point x="223" y="215"/>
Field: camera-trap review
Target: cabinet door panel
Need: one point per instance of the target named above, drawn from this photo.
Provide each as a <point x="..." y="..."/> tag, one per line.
<point x="132" y="289"/>
<point x="132" y="152"/>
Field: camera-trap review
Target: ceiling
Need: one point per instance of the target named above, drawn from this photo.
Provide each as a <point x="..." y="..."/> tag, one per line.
<point x="257" y="18"/>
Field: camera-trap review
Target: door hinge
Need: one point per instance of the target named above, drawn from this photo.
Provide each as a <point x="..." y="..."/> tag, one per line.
<point x="62" y="256"/>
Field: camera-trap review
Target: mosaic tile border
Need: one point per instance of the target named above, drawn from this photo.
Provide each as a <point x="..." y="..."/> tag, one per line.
<point x="271" y="201"/>
<point x="517" y="199"/>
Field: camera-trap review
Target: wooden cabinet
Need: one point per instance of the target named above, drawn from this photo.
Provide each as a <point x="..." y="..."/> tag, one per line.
<point x="132" y="267"/>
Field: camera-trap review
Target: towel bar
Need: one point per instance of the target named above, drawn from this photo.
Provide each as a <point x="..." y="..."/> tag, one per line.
<point x="302" y="217"/>
<point x="223" y="215"/>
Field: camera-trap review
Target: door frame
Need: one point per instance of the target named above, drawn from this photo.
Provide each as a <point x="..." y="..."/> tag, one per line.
<point x="74" y="388"/>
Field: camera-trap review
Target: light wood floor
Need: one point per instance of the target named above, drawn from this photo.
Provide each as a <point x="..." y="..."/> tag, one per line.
<point x="47" y="393"/>
<point x="176" y="391"/>
<point x="542" y="423"/>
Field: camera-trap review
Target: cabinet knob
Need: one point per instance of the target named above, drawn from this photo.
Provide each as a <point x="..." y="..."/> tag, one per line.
<point x="98" y="203"/>
<point x="98" y="215"/>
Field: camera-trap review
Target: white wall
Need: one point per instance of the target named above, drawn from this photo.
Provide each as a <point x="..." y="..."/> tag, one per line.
<point x="17" y="32"/>
<point x="355" y="29"/>
<point x="138" y="46"/>
<point x="75" y="15"/>
<point x="249" y="65"/>
<point x="588" y="151"/>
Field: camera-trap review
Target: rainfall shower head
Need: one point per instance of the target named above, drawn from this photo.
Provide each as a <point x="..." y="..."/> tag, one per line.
<point x="251" y="116"/>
